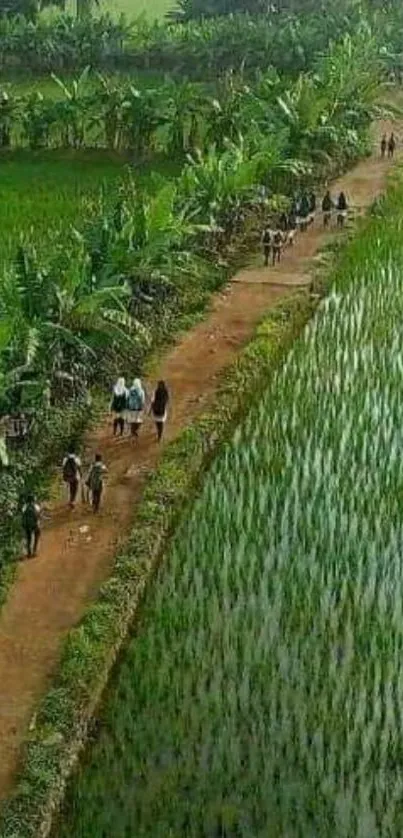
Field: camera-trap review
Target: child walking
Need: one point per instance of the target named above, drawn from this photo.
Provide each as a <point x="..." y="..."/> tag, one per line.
<point x="95" y="481"/>
<point x="31" y="512"/>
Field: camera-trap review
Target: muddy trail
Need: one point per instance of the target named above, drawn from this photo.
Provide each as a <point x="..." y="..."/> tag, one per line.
<point x="77" y="552"/>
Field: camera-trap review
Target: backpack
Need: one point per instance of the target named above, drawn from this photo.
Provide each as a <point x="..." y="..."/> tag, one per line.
<point x="135" y="400"/>
<point x="70" y="470"/>
<point x="267" y="238"/>
<point x="30" y="517"/>
<point x="95" y="477"/>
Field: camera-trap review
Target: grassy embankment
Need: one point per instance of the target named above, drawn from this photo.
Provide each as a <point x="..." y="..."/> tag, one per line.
<point x="261" y="689"/>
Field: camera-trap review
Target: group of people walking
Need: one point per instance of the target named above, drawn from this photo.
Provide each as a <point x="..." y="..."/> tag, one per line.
<point x="329" y="206"/>
<point x="72" y="471"/>
<point x="129" y="404"/>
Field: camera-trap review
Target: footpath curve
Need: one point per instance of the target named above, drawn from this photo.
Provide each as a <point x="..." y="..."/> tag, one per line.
<point x="50" y="593"/>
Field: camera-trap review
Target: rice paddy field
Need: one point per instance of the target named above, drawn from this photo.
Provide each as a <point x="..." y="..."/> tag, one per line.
<point x="49" y="191"/>
<point x="261" y="693"/>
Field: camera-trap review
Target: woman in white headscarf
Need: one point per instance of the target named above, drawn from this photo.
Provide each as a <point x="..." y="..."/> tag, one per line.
<point x="118" y="406"/>
<point x="136" y="398"/>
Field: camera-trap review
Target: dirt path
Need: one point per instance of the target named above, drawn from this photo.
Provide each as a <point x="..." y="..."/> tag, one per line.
<point x="51" y="592"/>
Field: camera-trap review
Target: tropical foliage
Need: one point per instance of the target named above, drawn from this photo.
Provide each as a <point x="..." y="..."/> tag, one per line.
<point x="198" y="50"/>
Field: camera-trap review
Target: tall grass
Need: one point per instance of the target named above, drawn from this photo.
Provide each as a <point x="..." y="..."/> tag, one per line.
<point x="262" y="693"/>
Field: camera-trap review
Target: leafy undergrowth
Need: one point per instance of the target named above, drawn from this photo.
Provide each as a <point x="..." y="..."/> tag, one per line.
<point x="261" y="691"/>
<point x="62" y="719"/>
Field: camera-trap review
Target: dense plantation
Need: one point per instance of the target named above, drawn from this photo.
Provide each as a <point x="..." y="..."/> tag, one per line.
<point x="261" y="691"/>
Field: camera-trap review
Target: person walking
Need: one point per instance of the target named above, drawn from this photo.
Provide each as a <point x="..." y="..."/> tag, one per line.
<point x="304" y="212"/>
<point x="391" y="146"/>
<point x="267" y="236"/>
<point x="159" y="406"/>
<point x="72" y="475"/>
<point x="95" y="481"/>
<point x="136" y="399"/>
<point x="342" y="209"/>
<point x="30" y="519"/>
<point x="118" y="406"/>
<point x="312" y="207"/>
<point x="276" y="246"/>
<point x="383" y="146"/>
<point x="327" y="206"/>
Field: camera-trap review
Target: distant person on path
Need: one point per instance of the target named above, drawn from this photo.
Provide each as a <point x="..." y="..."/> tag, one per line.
<point x="31" y="513"/>
<point x="383" y="146"/>
<point x="95" y="481"/>
<point x="391" y="146"/>
<point x="136" y="399"/>
<point x="159" y="408"/>
<point x="327" y="206"/>
<point x="304" y="212"/>
<point x="72" y="475"/>
<point x="276" y="246"/>
<point x="341" y="209"/>
<point x="312" y="207"/>
<point x="118" y="406"/>
<point x="266" y="243"/>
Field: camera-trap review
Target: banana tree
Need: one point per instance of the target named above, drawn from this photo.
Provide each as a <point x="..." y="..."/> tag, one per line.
<point x="147" y="239"/>
<point x="143" y="113"/>
<point x="72" y="111"/>
<point x="184" y="115"/>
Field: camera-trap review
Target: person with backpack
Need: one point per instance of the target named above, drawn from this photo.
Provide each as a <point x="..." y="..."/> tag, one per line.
<point x="118" y="406"/>
<point x="159" y="408"/>
<point x="136" y="399"/>
<point x="72" y="476"/>
<point x="95" y="481"/>
<point x="30" y="520"/>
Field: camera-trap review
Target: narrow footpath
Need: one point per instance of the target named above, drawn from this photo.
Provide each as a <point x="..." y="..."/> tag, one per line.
<point x="51" y="592"/>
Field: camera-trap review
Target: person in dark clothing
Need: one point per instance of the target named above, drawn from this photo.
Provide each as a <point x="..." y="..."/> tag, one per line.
<point x="383" y="146"/>
<point x="312" y="205"/>
<point x="327" y="206"/>
<point x="72" y="476"/>
<point x="159" y="408"/>
<point x="95" y="481"/>
<point x="283" y="222"/>
<point x="341" y="209"/>
<point x="276" y="247"/>
<point x="31" y="512"/>
<point x="266" y="243"/>
<point x="118" y="406"/>
<point x="304" y="212"/>
<point x="391" y="146"/>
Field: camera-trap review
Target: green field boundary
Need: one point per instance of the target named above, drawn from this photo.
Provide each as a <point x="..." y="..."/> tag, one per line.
<point x="59" y="730"/>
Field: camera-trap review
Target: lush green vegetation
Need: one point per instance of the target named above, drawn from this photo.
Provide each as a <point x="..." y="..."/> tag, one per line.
<point x="192" y="50"/>
<point x="262" y="689"/>
<point x="41" y="193"/>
